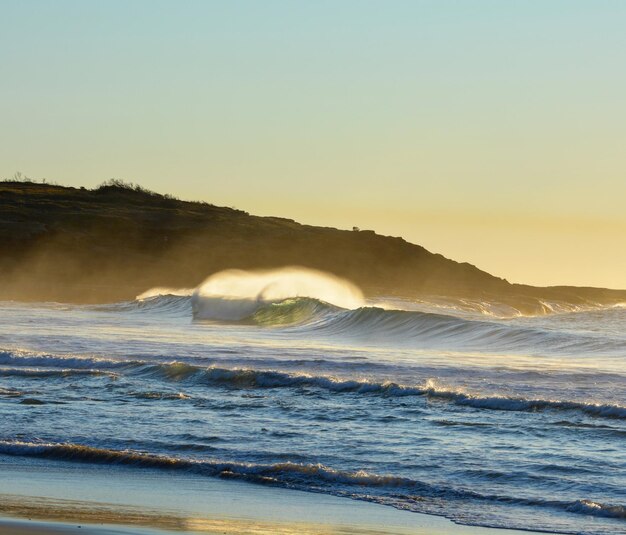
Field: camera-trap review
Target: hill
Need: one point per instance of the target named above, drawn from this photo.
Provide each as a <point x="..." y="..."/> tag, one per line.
<point x="111" y="243"/>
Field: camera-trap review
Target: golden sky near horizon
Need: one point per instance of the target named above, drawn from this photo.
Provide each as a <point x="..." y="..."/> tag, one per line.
<point x="491" y="132"/>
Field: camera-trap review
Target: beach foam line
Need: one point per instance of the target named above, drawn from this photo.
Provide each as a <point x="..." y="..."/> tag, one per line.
<point x="385" y="489"/>
<point x="262" y="473"/>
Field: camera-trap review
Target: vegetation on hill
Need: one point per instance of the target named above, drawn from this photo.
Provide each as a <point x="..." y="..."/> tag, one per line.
<point x="117" y="240"/>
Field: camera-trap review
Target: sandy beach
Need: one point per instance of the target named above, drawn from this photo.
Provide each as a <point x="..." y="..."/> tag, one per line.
<point x="39" y="498"/>
<point x="99" y="522"/>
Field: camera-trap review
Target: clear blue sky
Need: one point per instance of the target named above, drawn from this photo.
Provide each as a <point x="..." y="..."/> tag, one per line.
<point x="493" y="132"/>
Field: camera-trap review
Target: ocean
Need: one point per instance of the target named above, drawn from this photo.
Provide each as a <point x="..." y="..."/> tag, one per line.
<point x="467" y="409"/>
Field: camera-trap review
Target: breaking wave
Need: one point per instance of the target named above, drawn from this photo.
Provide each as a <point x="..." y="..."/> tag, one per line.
<point x="46" y="374"/>
<point x="237" y="295"/>
<point x="69" y="362"/>
<point x="520" y="307"/>
<point x="248" y="378"/>
<point x="169" y="304"/>
<point x="251" y="378"/>
<point x="587" y="507"/>
<point x="372" y="324"/>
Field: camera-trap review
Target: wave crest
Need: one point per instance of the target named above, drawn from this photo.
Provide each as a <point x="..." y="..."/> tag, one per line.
<point x="371" y="324"/>
<point x="587" y="507"/>
<point x="237" y="294"/>
<point x="254" y="378"/>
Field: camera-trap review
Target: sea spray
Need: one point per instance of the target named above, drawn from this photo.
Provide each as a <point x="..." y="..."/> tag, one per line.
<point x="237" y="294"/>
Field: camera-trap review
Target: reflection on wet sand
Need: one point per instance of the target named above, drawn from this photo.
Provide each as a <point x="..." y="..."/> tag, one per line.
<point x="96" y="515"/>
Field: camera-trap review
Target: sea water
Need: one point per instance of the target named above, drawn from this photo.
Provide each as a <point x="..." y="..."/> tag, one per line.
<point x="459" y="408"/>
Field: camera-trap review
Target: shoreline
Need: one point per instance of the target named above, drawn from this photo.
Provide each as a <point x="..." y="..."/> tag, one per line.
<point x="111" y="523"/>
<point x="55" y="497"/>
<point x="99" y="520"/>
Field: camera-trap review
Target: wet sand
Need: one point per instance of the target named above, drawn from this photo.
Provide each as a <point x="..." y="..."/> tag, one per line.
<point x="214" y="526"/>
<point x="58" y="498"/>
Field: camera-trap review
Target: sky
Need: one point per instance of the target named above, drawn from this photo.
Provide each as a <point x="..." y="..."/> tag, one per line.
<point x="491" y="132"/>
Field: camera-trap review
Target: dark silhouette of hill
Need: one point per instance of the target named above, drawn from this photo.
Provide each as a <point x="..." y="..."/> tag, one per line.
<point x="111" y="243"/>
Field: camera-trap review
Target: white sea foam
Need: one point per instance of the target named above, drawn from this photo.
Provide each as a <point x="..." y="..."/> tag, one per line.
<point x="237" y="294"/>
<point x="233" y="295"/>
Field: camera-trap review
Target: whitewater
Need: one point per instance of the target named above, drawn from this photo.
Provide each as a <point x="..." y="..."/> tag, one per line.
<point x="292" y="378"/>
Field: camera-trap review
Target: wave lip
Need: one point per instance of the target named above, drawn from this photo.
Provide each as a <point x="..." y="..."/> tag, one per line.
<point x="37" y="373"/>
<point x="587" y="507"/>
<point x="506" y="403"/>
<point x="43" y="360"/>
<point x="234" y="295"/>
<point x="178" y="304"/>
<point x="164" y="292"/>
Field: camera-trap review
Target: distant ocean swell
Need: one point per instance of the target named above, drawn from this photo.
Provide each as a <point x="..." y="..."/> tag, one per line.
<point x="245" y="378"/>
<point x="401" y="492"/>
<point x="234" y="289"/>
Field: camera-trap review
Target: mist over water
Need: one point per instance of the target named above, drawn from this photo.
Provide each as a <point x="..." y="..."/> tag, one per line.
<point x="236" y="294"/>
<point x="290" y="377"/>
